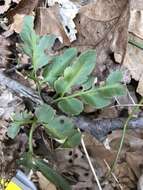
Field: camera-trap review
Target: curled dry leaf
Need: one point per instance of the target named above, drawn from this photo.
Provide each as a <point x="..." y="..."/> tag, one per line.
<point x="48" y="22"/>
<point x="68" y="11"/>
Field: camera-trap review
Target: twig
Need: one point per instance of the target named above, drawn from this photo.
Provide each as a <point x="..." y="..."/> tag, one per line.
<point x="127" y="105"/>
<point x="113" y="175"/>
<point x="90" y="164"/>
<point x="130" y="97"/>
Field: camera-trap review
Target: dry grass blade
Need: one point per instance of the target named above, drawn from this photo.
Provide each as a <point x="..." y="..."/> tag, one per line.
<point x="90" y="164"/>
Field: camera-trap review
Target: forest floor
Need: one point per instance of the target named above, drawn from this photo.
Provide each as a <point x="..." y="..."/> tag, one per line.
<point x="114" y="29"/>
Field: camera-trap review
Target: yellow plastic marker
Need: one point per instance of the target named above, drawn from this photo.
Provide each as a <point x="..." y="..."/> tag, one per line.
<point x="12" y="186"/>
<point x="19" y="182"/>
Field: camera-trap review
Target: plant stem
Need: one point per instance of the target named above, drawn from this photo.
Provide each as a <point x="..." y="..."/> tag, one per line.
<point x="92" y="91"/>
<point x="31" y="137"/>
<point x="122" y="138"/>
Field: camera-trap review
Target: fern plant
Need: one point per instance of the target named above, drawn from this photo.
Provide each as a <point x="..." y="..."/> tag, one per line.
<point x="66" y="74"/>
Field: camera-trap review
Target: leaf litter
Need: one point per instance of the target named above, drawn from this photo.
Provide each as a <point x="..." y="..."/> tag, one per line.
<point x="108" y="33"/>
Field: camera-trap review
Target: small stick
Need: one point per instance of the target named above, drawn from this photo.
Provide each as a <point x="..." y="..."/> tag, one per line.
<point x="113" y="175"/>
<point x="90" y="164"/>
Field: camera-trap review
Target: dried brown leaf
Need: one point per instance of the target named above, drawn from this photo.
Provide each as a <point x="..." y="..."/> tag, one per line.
<point x="134" y="63"/>
<point x="97" y="150"/>
<point x="17" y="23"/>
<point x="135" y="160"/>
<point x="24" y="7"/>
<point x="44" y="182"/>
<point x="48" y="22"/>
<point x="136" y="23"/>
<point x="108" y="32"/>
<point x="93" y="26"/>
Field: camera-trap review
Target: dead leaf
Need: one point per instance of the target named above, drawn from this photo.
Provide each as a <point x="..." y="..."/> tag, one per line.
<point x="44" y="182"/>
<point x="136" y="23"/>
<point x="135" y="161"/>
<point x="109" y="112"/>
<point x="48" y="22"/>
<point x="136" y="4"/>
<point x="4" y="51"/>
<point x="140" y="183"/>
<point x="134" y="63"/>
<point x="24" y="7"/>
<point x="73" y="164"/>
<point x="92" y="25"/>
<point x="67" y="10"/>
<point x="5" y="6"/>
<point x="111" y="10"/>
<point x="17" y="23"/>
<point x="99" y="151"/>
<point x="125" y="176"/>
<point x="8" y="103"/>
<point x="107" y="33"/>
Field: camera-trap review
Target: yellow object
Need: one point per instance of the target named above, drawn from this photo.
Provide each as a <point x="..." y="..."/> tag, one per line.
<point x="3" y="183"/>
<point x="12" y="186"/>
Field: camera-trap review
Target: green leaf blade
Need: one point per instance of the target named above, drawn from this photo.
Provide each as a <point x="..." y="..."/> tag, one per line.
<point x="58" y="65"/>
<point x="44" y="113"/>
<point x="18" y="120"/>
<point x="13" y="130"/>
<point x="114" y="90"/>
<point x="28" y="34"/>
<point x="52" y="175"/>
<point x="96" y="101"/>
<point x="101" y="97"/>
<point x="114" y="77"/>
<point x="77" y="73"/>
<point x="46" y="42"/>
<point x="72" y="141"/>
<point x="62" y="128"/>
<point x="71" y="106"/>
